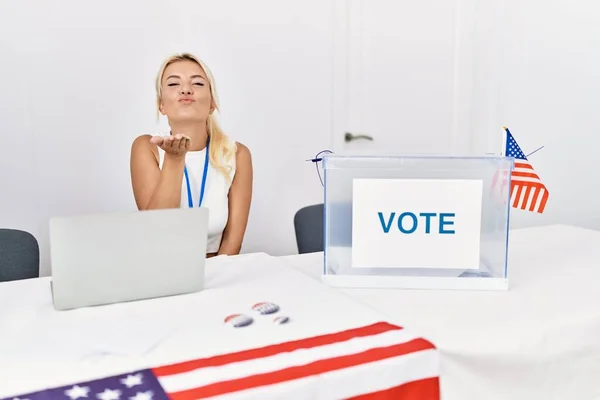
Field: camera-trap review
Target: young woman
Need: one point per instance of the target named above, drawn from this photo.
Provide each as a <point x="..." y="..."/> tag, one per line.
<point x="196" y="163"/>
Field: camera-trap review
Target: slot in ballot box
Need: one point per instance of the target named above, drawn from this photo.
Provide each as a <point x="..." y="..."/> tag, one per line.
<point x="421" y="222"/>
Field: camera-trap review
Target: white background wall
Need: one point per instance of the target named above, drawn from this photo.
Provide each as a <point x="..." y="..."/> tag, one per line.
<point x="77" y="88"/>
<point x="537" y="71"/>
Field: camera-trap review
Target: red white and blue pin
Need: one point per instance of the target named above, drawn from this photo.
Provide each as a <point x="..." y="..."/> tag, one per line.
<point x="238" y="320"/>
<point x="281" y="320"/>
<point x="265" y="308"/>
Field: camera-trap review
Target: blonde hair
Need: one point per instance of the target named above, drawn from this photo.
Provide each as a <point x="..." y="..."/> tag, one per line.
<point x="222" y="149"/>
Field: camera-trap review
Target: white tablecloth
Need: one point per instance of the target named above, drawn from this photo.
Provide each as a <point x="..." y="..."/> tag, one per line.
<point x="539" y="340"/>
<point x="41" y="348"/>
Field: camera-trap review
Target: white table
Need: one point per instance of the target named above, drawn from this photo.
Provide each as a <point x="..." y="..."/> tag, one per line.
<point x="41" y="348"/>
<point x="539" y="340"/>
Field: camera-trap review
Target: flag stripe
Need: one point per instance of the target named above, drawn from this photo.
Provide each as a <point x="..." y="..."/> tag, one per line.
<point x="533" y="175"/>
<point x="526" y="196"/>
<point x="521" y="164"/>
<point x="527" y="184"/>
<point x="348" y="382"/>
<point x="524" y="179"/>
<point x="298" y="372"/>
<point x="206" y="376"/>
<point x="535" y="203"/>
<point x="535" y="199"/>
<point x="516" y="193"/>
<point x="543" y="201"/>
<point x="267" y="351"/>
<point x="424" y="389"/>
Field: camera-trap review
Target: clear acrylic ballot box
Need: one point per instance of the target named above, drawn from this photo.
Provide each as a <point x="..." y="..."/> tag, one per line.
<point x="420" y="222"/>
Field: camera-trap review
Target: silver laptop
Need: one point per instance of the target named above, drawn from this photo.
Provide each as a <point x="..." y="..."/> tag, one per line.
<point x="111" y="258"/>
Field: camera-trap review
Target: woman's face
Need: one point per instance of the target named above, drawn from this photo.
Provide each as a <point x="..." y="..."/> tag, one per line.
<point x="185" y="93"/>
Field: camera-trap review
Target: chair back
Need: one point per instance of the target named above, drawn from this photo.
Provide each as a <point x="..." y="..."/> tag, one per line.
<point x="19" y="255"/>
<point x="308" y="224"/>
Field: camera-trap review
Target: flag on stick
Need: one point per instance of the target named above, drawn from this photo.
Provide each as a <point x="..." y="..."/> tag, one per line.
<point x="528" y="192"/>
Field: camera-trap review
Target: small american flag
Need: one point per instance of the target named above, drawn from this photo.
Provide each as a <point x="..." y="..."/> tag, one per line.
<point x="527" y="190"/>
<point x="374" y="362"/>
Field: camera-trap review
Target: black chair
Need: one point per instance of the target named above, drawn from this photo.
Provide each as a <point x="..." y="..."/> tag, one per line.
<point x="308" y="224"/>
<point x="19" y="255"/>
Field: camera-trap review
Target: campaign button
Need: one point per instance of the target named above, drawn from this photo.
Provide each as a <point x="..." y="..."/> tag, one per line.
<point x="281" y="320"/>
<point x="238" y="320"/>
<point x="265" y="308"/>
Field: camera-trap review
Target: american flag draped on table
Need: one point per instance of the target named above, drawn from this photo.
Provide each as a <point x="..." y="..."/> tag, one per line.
<point x="373" y="362"/>
<point x="527" y="191"/>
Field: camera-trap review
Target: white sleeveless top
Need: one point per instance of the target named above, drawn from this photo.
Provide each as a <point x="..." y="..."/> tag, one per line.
<point x="216" y="192"/>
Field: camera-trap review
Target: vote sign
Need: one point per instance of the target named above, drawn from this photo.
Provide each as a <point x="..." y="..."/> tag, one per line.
<point x="416" y="223"/>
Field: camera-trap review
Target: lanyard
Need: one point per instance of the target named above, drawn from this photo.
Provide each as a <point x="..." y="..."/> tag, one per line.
<point x="187" y="180"/>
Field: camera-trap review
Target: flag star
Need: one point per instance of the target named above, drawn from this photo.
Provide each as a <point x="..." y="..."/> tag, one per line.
<point x="77" y="391"/>
<point x="109" y="395"/>
<point x="142" y="396"/>
<point x="132" y="380"/>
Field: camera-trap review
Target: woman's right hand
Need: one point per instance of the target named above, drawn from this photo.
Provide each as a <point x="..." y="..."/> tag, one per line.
<point x="174" y="145"/>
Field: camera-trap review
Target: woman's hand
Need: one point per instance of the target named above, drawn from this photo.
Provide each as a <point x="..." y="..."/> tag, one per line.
<point x="173" y="145"/>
